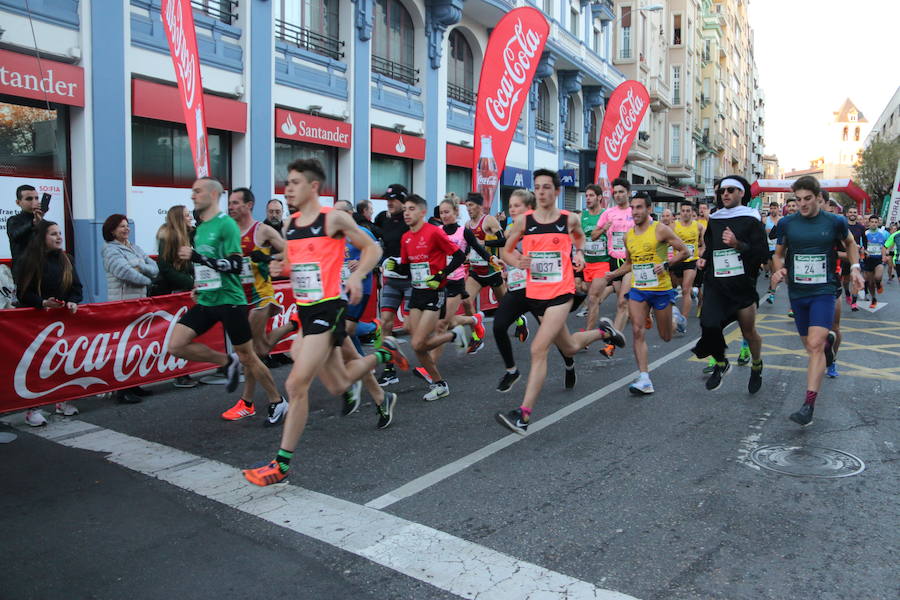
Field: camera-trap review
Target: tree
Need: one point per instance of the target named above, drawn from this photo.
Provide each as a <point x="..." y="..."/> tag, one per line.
<point x="876" y="169"/>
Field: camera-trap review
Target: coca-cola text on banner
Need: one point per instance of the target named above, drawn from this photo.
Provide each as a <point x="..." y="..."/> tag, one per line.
<point x="178" y="21"/>
<point x="624" y="113"/>
<point x="513" y="52"/>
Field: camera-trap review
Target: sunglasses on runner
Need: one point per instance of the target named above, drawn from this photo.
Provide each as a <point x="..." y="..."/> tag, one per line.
<point x="732" y="190"/>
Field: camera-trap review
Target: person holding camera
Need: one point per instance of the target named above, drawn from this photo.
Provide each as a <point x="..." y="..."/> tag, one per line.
<point x="22" y="226"/>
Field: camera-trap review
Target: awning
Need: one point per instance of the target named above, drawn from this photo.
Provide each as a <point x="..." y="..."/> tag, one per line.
<point x="661" y="193"/>
<point x="690" y="192"/>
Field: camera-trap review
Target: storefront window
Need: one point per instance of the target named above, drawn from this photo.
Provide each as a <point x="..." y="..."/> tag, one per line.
<point x="161" y="154"/>
<point x="459" y="181"/>
<point x="33" y="139"/>
<point x="286" y="152"/>
<point x="387" y="170"/>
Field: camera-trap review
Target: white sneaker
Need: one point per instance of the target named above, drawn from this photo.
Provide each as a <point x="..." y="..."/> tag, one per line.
<point x="66" y="409"/>
<point x="641" y="387"/>
<point x="582" y="313"/>
<point x="276" y="412"/>
<point x="35" y="418"/>
<point x="438" y="390"/>
<point x="460" y="337"/>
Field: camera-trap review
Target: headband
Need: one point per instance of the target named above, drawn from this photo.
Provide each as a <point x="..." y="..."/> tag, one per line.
<point x="728" y="182"/>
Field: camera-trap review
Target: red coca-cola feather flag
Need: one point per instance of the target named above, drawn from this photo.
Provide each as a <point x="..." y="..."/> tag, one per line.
<point x="178" y="21"/>
<point x="624" y="112"/>
<point x="513" y="52"/>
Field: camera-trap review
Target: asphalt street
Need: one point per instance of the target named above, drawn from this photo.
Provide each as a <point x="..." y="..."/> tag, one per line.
<point x="654" y="497"/>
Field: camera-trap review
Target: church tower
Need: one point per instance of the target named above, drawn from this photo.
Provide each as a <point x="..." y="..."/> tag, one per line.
<point x="847" y="133"/>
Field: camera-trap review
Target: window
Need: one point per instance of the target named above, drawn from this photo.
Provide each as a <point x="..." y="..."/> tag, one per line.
<point x="161" y="154"/>
<point x="597" y="40"/>
<point x="852" y="116"/>
<point x="846" y="132"/>
<point x="543" y="121"/>
<point x="287" y="152"/>
<point x="676" y="30"/>
<point x="393" y="42"/>
<point x="593" y="131"/>
<point x="459" y="181"/>
<point x="223" y="10"/>
<point x="625" y="32"/>
<point x="33" y="139"/>
<point x="571" y="133"/>
<point x="675" y="152"/>
<point x="548" y="7"/>
<point x="574" y="21"/>
<point x="856" y="135"/>
<point x="676" y="84"/>
<point x="387" y="170"/>
<point x="461" y="75"/>
<point x="310" y="24"/>
<point x="707" y="50"/>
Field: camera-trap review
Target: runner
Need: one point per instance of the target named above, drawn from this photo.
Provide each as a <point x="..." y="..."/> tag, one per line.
<point x="596" y="258"/>
<point x="423" y="254"/>
<point x="395" y="287"/>
<point x="873" y="240"/>
<point x="771" y="222"/>
<point x="548" y="235"/>
<point x="807" y="242"/>
<point x="703" y="213"/>
<point x="667" y="218"/>
<point x="481" y="272"/>
<point x="857" y="229"/>
<point x="892" y="244"/>
<point x="891" y="254"/>
<point x="646" y="250"/>
<point x="315" y="250"/>
<point x="683" y="273"/>
<point x="257" y="242"/>
<point x="218" y="294"/>
<point x="735" y="248"/>
<point x="833" y="340"/>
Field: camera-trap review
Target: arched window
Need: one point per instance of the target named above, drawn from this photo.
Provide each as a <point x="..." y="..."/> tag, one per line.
<point x="846" y="131"/>
<point x="393" y="42"/>
<point x="461" y="69"/>
<point x="593" y="132"/>
<point x="571" y="133"/>
<point x="856" y="135"/>
<point x="542" y="121"/>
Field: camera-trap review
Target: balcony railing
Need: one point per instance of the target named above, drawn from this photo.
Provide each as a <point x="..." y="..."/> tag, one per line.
<point x="309" y="40"/>
<point x="394" y="70"/>
<point x="543" y="125"/>
<point x="571" y="137"/>
<point x="221" y="10"/>
<point x="460" y="94"/>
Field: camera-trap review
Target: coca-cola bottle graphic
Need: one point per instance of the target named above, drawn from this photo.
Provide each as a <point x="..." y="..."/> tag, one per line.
<point x="605" y="186"/>
<point x="487" y="176"/>
<point x="200" y="133"/>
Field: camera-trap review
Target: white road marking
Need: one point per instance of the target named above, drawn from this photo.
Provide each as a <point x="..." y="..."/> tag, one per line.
<point x="878" y="307"/>
<point x="429" y="555"/>
<point x="429" y="479"/>
<point x="751" y="442"/>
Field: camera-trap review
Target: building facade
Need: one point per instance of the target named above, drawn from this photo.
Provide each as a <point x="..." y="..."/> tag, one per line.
<point x="887" y="126"/>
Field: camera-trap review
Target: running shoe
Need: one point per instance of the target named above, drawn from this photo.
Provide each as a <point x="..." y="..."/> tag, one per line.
<point x="680" y="324"/>
<point x="641" y="387"/>
<point x="849" y="300"/>
<point x="276" y="412"/>
<point x="438" y="390"/>
<point x="571" y="377"/>
<point x="804" y="416"/>
<point x="648" y="323"/>
<point x="616" y="338"/>
<point x="608" y="350"/>
<point x="460" y="339"/>
<point x="422" y="373"/>
<point x="522" y="329"/>
<point x="474" y="346"/>
<point x="377" y="335"/>
<point x="829" y="348"/>
<point x="391" y="344"/>
<point x="513" y="421"/>
<point x="771" y="297"/>
<point x="715" y="379"/>
<point x="582" y="312"/>
<point x="832" y="371"/>
<point x="755" y="379"/>
<point x="185" y="382"/>
<point x="35" y="418"/>
<point x="507" y="381"/>
<point x="266" y="475"/>
<point x="388" y="376"/>
<point x="873" y="304"/>
<point x="478" y="328"/>
<point x="239" y="411"/>
<point x="66" y="409"/>
<point x="695" y="293"/>
<point x="854" y="307"/>
<point x="744" y="356"/>
<point x="386" y="410"/>
<point x="710" y="365"/>
<point x="352" y="398"/>
<point x="232" y="372"/>
<point x="880" y="288"/>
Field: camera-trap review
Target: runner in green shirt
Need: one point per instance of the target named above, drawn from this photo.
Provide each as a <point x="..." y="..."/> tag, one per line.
<point x="596" y="259"/>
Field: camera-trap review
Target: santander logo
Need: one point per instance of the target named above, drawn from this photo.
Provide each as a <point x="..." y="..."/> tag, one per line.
<point x="518" y="55"/>
<point x="288" y="127"/>
<point x="187" y="68"/>
<point x="400" y="147"/>
<point x="620" y="139"/>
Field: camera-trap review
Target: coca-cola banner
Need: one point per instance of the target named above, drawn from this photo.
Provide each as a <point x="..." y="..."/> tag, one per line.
<point x="624" y="112"/>
<point x="178" y="21"/>
<point x="513" y="52"/>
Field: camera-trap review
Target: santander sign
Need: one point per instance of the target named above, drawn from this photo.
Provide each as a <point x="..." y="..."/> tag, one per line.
<point x="512" y="56"/>
<point x="624" y="113"/>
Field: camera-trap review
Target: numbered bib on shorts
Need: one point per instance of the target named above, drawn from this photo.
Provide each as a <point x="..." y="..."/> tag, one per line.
<point x="593" y="249"/>
<point x="546" y="267"/>
<point x="690" y="249"/>
<point x="727" y="263"/>
<point x="617" y="241"/>
<point x="515" y="279"/>
<point x="420" y="271"/>
<point x="206" y="279"/>
<point x="475" y="259"/>
<point x="306" y="280"/>
<point x="873" y="249"/>
<point x="345" y="273"/>
<point x="810" y="268"/>
<point x="644" y="276"/>
<point x="246" y="271"/>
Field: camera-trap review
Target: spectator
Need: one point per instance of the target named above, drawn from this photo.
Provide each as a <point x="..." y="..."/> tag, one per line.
<point x="275" y="215"/>
<point x="128" y="274"/>
<point x="21" y="227"/>
<point x="175" y="274"/>
<point x="47" y="279"/>
<point x="363" y="217"/>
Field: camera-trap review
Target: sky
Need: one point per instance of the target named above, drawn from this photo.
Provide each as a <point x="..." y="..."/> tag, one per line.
<point x="813" y="54"/>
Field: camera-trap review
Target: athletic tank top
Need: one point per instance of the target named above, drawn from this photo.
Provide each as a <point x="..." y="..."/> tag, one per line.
<point x="255" y="277"/>
<point x="690" y="235"/>
<point x="316" y="260"/>
<point x="516" y="278"/>
<point x="458" y="238"/>
<point x="550" y="248"/>
<point x="645" y="252"/>
<point x="479" y="265"/>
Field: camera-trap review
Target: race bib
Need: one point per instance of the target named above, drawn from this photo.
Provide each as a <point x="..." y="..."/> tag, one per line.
<point x="690" y="249"/>
<point x="873" y="249"/>
<point x="345" y="273"/>
<point x="475" y="259"/>
<point x="515" y="279"/>
<point x="206" y="279"/>
<point x="419" y="271"/>
<point x="546" y="267"/>
<point x="644" y="276"/>
<point x="306" y="280"/>
<point x="246" y="271"/>
<point x="727" y="263"/>
<point x="670" y="253"/>
<point x="810" y="268"/>
<point x="617" y="241"/>
<point x="593" y="249"/>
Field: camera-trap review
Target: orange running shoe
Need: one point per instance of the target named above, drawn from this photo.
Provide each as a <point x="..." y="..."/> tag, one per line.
<point x="239" y="411"/>
<point x="608" y="351"/>
<point x="266" y="475"/>
<point x="391" y="344"/>
<point x="873" y="304"/>
<point x="478" y="329"/>
<point x="880" y="288"/>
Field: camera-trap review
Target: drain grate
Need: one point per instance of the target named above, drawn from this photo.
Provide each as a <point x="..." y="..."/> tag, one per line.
<point x="807" y="461"/>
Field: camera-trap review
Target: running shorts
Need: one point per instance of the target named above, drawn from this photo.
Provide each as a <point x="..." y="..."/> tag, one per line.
<point x="427" y="300"/>
<point x="315" y="319"/>
<point x="813" y="311"/>
<point x="871" y="263"/>
<point x="233" y="318"/>
<point x="355" y="311"/>
<point x="392" y="293"/>
<point x="595" y="270"/>
<point x="537" y="307"/>
<point x="493" y="280"/>
<point x="456" y="287"/>
<point x="658" y="299"/>
<point x="678" y="269"/>
<point x="615" y="263"/>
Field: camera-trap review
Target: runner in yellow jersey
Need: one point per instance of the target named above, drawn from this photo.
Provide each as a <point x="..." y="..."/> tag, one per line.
<point x="689" y="231"/>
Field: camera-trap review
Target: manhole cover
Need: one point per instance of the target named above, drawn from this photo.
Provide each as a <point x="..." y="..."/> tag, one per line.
<point x="807" y="461"/>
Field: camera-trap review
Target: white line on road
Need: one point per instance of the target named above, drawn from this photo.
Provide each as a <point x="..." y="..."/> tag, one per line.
<point x="429" y="555"/>
<point x="429" y="479"/>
